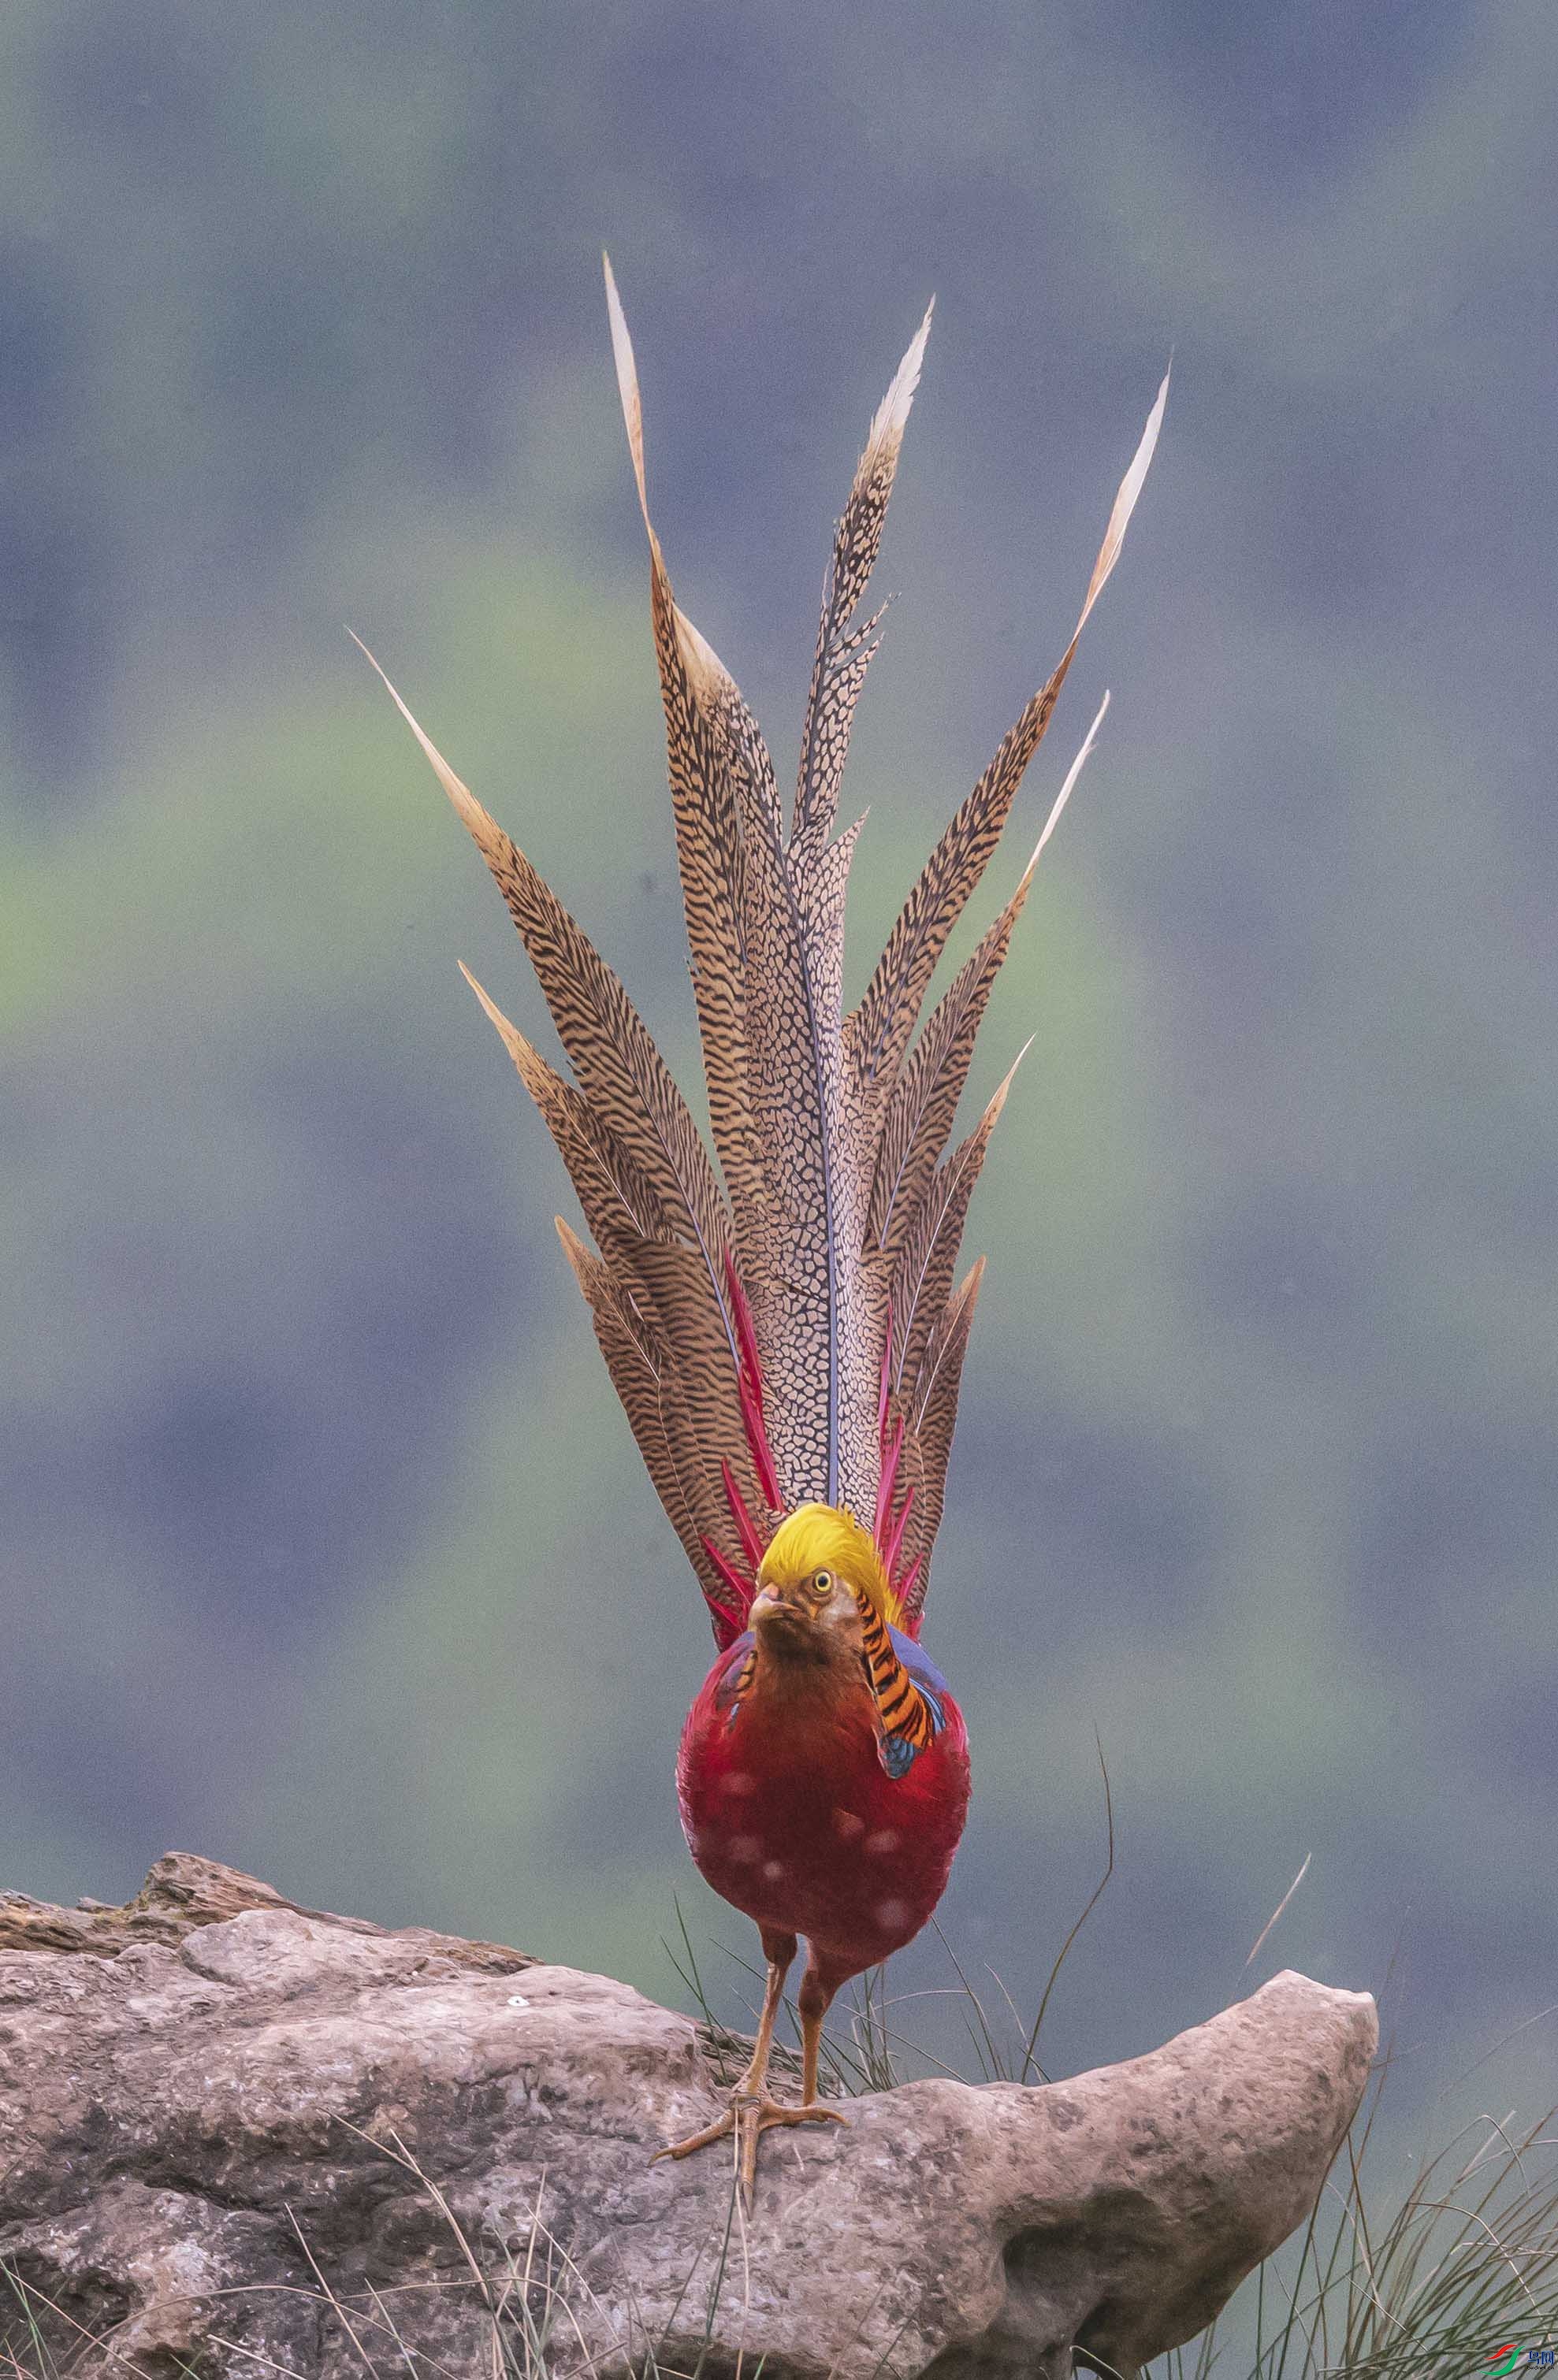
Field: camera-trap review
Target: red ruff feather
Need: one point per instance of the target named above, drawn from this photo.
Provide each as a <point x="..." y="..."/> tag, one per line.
<point x="913" y="1616"/>
<point x="891" y="1448"/>
<point x="890" y="1551"/>
<point x="751" y="1388"/>
<point x="729" y="1618"/>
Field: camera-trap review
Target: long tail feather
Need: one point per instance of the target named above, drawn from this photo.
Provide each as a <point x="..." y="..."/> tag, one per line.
<point x="616" y="1196"/>
<point x="919" y="1114"/>
<point x="806" y="1275"/>
<point x="651" y="1288"/>
<point x="765" y="927"/>
<point x="934" y="1417"/>
<point x="843" y="653"/>
<point x="924" y="1269"/>
<point x="879" y="1031"/>
<point x="620" y="1071"/>
<point x="644" y="1178"/>
<point x="714" y="747"/>
<point x="645" y="1377"/>
<point x="765" y="930"/>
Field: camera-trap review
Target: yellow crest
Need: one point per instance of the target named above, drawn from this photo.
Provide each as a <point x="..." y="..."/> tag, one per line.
<point x="822" y="1536"/>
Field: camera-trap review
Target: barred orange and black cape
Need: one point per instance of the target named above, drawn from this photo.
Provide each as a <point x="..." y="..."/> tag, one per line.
<point x="785" y="1328"/>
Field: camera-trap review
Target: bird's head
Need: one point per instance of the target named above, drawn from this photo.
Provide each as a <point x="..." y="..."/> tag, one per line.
<point x="819" y="1567"/>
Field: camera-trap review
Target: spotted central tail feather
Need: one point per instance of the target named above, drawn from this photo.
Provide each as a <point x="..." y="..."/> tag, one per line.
<point x="786" y="1330"/>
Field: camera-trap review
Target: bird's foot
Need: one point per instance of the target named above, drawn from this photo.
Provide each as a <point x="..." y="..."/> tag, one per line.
<point x="748" y="2115"/>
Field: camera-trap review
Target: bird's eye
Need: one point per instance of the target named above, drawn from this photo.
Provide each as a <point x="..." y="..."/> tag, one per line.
<point x="822" y="1584"/>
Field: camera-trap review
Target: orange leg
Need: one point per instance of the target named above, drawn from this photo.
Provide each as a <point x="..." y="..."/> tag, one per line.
<point x="816" y="1998"/>
<point x="751" y="2112"/>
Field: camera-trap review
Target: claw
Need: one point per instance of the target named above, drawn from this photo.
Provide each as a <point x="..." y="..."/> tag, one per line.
<point x="748" y="2117"/>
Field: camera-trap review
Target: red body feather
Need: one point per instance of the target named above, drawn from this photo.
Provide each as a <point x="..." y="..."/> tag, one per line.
<point x="790" y="1815"/>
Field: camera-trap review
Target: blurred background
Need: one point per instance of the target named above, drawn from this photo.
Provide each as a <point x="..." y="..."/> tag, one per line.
<point x="325" y="1547"/>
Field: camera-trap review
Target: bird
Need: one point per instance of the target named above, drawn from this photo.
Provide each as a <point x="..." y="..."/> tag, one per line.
<point x="781" y="1317"/>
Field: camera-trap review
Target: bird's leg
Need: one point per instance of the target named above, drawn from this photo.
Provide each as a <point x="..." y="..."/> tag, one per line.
<point x="779" y="1950"/>
<point x="762" y="2114"/>
<point x="751" y="2111"/>
<point x="816" y="1998"/>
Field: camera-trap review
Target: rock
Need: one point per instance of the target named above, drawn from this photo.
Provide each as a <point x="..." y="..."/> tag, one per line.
<point x="236" y="2134"/>
<point x="183" y="1890"/>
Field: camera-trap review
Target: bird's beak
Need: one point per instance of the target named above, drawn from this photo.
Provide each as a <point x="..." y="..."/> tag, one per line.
<point x="772" y="1603"/>
<point x="785" y="1624"/>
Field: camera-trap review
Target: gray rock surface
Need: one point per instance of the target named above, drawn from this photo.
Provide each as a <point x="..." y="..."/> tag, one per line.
<point x="234" y="2130"/>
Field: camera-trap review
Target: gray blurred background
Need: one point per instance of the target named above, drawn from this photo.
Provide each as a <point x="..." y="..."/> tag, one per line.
<point x="325" y="1548"/>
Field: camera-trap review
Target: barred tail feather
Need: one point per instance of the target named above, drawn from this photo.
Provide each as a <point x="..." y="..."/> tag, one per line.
<point x="923" y="1103"/>
<point x="765" y="928"/>
<point x="924" y="1270"/>
<point x="619" y="1069"/>
<point x="711" y="740"/>
<point x="880" y="1029"/>
<point x="658" y="1328"/>
<point x="618" y="1198"/>
<point x="643" y="1375"/>
<point x="929" y="1438"/>
<point x="844" y="654"/>
<point x="645" y="1183"/>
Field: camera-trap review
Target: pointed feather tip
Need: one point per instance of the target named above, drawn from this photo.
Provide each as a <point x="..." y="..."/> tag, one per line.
<point x="998" y="1098"/>
<point x="628" y="386"/>
<point x="1125" y="502"/>
<point x="957" y="1320"/>
<point x="1148" y="447"/>
<point x="887" y="422"/>
<point x="573" y="1246"/>
<point x="509" y="1032"/>
<point x="583" y="1262"/>
<point x="1078" y="765"/>
<point x="701" y="663"/>
<point x="468" y="808"/>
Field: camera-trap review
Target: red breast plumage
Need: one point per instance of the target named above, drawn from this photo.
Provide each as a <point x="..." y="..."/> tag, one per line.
<point x="790" y="1815"/>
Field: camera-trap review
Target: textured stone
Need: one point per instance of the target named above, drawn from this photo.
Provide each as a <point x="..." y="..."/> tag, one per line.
<point x="234" y="2141"/>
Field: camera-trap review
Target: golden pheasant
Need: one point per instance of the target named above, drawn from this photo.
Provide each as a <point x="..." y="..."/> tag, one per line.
<point x="785" y="1333"/>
